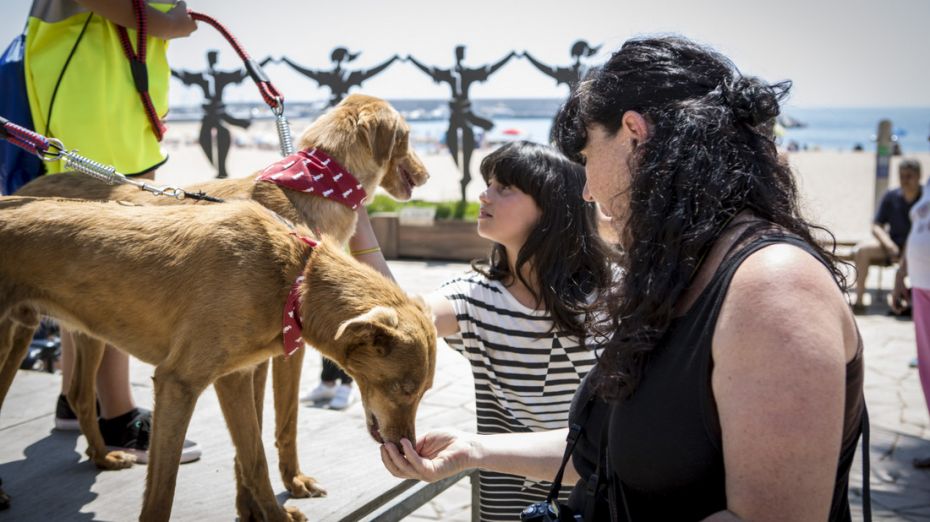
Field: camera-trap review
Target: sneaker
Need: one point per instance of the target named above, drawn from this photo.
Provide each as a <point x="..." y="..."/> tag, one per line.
<point x="130" y="433"/>
<point x="323" y="392"/>
<point x="65" y="418"/>
<point x="343" y="397"/>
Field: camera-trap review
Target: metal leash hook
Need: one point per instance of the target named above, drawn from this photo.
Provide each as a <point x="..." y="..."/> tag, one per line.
<point x="107" y="173"/>
<point x="284" y="129"/>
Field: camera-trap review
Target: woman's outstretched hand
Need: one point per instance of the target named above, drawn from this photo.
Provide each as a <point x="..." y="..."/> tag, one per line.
<point x="438" y="454"/>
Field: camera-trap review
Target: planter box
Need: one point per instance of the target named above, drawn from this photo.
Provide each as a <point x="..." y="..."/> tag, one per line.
<point x="451" y="240"/>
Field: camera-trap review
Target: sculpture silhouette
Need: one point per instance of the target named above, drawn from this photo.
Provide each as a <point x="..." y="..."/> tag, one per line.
<point x="338" y="79"/>
<point x="212" y="82"/>
<point x="568" y="75"/>
<point x="461" y="117"/>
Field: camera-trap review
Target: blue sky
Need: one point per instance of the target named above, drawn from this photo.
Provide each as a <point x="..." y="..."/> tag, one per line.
<point x="839" y="53"/>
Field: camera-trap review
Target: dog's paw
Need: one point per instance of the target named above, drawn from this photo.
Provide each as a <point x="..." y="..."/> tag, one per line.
<point x="302" y="486"/>
<point x="116" y="460"/>
<point x="294" y="514"/>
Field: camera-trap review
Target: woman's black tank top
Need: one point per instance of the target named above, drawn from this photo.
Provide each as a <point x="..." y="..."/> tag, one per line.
<point x="665" y="440"/>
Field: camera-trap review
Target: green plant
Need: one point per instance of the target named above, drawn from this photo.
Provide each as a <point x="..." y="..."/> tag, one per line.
<point x="444" y="209"/>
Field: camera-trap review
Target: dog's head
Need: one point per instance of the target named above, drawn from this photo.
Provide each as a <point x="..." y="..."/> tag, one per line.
<point x="391" y="354"/>
<point x="372" y="141"/>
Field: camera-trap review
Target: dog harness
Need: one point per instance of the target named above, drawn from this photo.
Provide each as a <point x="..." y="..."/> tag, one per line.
<point x="312" y="170"/>
<point x="292" y="326"/>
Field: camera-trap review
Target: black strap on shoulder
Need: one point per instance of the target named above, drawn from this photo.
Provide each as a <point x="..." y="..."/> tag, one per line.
<point x="574" y="433"/>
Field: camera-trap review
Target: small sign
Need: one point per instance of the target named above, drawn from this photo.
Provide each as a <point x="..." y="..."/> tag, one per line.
<point x="417" y="216"/>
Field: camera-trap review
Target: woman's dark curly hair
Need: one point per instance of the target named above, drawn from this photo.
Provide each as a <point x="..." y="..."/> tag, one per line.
<point x="568" y="258"/>
<point x="710" y="154"/>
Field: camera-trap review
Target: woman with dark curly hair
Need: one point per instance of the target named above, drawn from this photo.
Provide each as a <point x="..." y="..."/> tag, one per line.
<point x="730" y="382"/>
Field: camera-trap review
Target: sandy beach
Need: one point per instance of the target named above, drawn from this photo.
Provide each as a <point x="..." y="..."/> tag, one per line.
<point x="837" y="188"/>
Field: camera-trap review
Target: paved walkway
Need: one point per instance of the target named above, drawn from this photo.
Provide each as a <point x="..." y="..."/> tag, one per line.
<point x="900" y="431"/>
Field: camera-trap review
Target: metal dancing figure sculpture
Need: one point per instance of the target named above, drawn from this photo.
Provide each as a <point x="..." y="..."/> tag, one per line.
<point x="212" y="82"/>
<point x="568" y="75"/>
<point x="461" y="118"/>
<point x="339" y="80"/>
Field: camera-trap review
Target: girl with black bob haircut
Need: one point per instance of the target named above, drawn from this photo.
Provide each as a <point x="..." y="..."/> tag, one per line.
<point x="563" y="254"/>
<point x="730" y="382"/>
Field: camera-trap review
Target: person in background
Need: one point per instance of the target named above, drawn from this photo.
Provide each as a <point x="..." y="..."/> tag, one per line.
<point x="889" y="228"/>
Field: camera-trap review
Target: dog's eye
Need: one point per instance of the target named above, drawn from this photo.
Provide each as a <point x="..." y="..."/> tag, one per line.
<point x="404" y="388"/>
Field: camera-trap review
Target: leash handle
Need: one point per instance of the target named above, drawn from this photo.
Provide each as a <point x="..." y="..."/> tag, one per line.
<point x="269" y="93"/>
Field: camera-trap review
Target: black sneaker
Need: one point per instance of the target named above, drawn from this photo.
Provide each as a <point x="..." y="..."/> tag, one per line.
<point x="130" y="433"/>
<point x="65" y="419"/>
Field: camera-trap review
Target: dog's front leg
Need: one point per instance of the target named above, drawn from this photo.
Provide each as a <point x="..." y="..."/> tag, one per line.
<point x="236" y="396"/>
<point x="175" y="397"/>
<point x="286" y="380"/>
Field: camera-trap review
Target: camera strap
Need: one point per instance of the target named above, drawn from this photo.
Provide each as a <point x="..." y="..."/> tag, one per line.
<point x="574" y="432"/>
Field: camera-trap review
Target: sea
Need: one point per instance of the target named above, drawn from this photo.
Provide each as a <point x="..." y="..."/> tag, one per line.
<point x="811" y="128"/>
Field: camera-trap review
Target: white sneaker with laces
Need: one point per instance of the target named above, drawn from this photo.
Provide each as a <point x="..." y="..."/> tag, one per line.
<point x="323" y="392"/>
<point x="344" y="396"/>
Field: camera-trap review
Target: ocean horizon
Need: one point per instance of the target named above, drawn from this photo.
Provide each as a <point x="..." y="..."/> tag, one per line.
<point x="821" y="128"/>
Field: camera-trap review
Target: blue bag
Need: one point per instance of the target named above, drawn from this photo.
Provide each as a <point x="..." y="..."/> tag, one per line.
<point x="17" y="167"/>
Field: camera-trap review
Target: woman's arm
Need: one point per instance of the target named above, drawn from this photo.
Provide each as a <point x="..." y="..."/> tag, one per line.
<point x="441" y="454"/>
<point x="780" y="348"/>
<point x="176" y="23"/>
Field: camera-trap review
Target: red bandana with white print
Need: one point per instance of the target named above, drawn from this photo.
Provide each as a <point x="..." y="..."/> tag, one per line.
<point x="292" y="326"/>
<point x="313" y="171"/>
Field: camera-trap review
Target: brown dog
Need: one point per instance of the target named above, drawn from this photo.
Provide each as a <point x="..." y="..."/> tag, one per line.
<point x="364" y="134"/>
<point x="200" y="293"/>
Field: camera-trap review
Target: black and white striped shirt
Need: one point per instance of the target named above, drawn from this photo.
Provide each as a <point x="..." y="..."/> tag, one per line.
<point x="525" y="378"/>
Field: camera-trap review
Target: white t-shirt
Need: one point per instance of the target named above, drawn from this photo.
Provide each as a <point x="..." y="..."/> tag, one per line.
<point x="918" y="242"/>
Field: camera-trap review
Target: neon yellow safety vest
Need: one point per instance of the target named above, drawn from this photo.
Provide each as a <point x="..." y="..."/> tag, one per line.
<point x="76" y="56"/>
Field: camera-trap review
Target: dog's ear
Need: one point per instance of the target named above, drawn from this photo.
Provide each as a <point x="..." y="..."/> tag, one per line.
<point x="378" y="321"/>
<point x="379" y="129"/>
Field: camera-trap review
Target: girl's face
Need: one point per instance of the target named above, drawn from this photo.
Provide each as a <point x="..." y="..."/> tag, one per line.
<point x="507" y="214"/>
<point x="607" y="171"/>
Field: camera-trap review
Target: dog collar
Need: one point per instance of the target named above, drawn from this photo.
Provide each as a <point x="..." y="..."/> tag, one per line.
<point x="312" y="170"/>
<point x="292" y="327"/>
